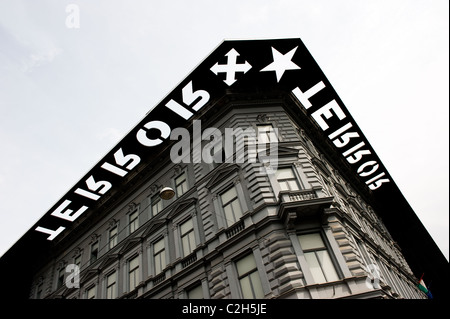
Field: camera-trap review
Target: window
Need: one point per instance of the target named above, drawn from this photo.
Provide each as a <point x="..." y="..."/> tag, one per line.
<point x="195" y="293"/>
<point x="90" y="293"/>
<point x="94" y="252"/>
<point x="60" y="281"/>
<point x="249" y="279"/>
<point x="111" y="286"/>
<point x="181" y="185"/>
<point x="113" y="237"/>
<point x="267" y="134"/>
<point x="286" y="179"/>
<point x="231" y="206"/>
<point x="134" y="221"/>
<point x="133" y="273"/>
<point x="156" y="205"/>
<point x="159" y="256"/>
<point x="39" y="291"/>
<point x="77" y="261"/>
<point x="318" y="258"/>
<point x="187" y="237"/>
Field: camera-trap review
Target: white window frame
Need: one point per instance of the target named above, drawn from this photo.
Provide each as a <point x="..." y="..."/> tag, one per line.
<point x="255" y="290"/>
<point x="323" y="260"/>
<point x="236" y="216"/>
<point x="133" y="224"/>
<point x="132" y="284"/>
<point x="181" y="187"/>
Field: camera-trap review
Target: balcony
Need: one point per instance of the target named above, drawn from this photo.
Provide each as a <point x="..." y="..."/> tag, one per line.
<point x="303" y="203"/>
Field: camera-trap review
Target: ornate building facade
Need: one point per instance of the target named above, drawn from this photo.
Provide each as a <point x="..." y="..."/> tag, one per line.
<point x="294" y="215"/>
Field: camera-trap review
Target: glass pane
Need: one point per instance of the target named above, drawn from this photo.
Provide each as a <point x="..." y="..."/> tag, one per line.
<point x="158" y="262"/>
<point x="134" y="263"/>
<point x="111" y="279"/>
<point x="284" y="173"/>
<point x="186" y="227"/>
<point x="257" y="286"/>
<point x="158" y="246"/>
<point x="91" y="293"/>
<point x="228" y="195"/>
<point x="283" y="185"/>
<point x="180" y="179"/>
<point x="229" y="215"/>
<point x="196" y="293"/>
<point x="186" y="246"/>
<point x="192" y="240"/>
<point x="311" y="241"/>
<point x="314" y="267"/>
<point x="293" y="186"/>
<point x="133" y="279"/>
<point x="246" y="288"/>
<point x="236" y="209"/>
<point x="246" y="265"/>
<point x="327" y="265"/>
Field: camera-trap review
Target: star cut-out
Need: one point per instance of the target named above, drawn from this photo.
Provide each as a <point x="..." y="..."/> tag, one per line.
<point x="281" y="63"/>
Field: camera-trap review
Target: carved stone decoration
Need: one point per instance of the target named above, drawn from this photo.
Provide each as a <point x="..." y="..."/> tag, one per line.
<point x="154" y="188"/>
<point x="94" y="238"/>
<point x="112" y="222"/>
<point x="262" y="118"/>
<point x="132" y="207"/>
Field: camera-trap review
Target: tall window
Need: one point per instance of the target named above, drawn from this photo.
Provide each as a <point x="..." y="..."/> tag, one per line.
<point x="94" y="252"/>
<point x="266" y="134"/>
<point x="133" y="273"/>
<point x="181" y="185"/>
<point x="187" y="237"/>
<point x="111" y="286"/>
<point x="231" y="206"/>
<point x="286" y="179"/>
<point x="156" y="205"/>
<point x="61" y="274"/>
<point x="159" y="256"/>
<point x="113" y="237"/>
<point x="318" y="258"/>
<point x="134" y="221"/>
<point x="39" y="291"/>
<point x="249" y="279"/>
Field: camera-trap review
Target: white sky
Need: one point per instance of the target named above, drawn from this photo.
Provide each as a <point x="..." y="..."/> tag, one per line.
<point x="67" y="96"/>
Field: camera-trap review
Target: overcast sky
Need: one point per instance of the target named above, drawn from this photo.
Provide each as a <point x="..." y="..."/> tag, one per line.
<point x="68" y="95"/>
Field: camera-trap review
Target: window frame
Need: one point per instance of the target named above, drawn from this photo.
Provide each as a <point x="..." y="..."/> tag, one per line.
<point x="294" y="178"/>
<point x="113" y="240"/>
<point x="113" y="286"/>
<point x="223" y="205"/>
<point x="134" y="271"/>
<point x="161" y="253"/>
<point x="189" y="235"/>
<point x="184" y="184"/>
<point x="329" y="252"/>
<point x="93" y="259"/>
<point x="247" y="275"/>
<point x="155" y="201"/>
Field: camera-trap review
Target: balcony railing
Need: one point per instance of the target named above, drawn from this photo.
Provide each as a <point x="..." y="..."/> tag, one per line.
<point x="189" y="260"/>
<point x="236" y="228"/>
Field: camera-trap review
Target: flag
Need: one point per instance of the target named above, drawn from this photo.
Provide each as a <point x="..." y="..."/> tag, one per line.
<point x="421" y="285"/>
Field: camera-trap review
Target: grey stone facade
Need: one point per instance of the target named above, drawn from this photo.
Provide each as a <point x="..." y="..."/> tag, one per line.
<point x="272" y="221"/>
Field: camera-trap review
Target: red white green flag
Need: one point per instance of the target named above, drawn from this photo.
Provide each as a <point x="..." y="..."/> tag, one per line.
<point x="424" y="288"/>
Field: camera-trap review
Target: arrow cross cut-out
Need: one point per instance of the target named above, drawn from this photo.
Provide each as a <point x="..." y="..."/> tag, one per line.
<point x="231" y="67"/>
